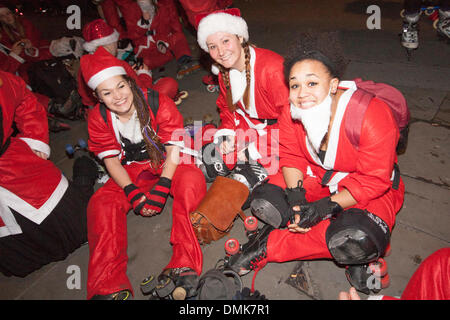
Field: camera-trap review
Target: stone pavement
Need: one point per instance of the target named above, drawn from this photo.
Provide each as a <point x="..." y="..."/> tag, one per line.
<point x="423" y="224"/>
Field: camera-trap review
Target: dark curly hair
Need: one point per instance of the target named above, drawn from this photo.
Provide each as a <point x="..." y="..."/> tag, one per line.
<point x="324" y="47"/>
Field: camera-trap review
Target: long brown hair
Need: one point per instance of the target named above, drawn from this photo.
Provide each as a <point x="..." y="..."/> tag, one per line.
<point x="226" y="78"/>
<point x="155" y="148"/>
<point x="14" y="33"/>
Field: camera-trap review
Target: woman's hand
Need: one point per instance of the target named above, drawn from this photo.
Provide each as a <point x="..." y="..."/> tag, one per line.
<point x="17" y="47"/>
<point x="293" y="227"/>
<point x="227" y="145"/>
<point x="40" y="154"/>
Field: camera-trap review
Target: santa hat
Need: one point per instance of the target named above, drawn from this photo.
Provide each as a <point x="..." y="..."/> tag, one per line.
<point x="98" y="33"/>
<point x="228" y="20"/>
<point x="100" y="66"/>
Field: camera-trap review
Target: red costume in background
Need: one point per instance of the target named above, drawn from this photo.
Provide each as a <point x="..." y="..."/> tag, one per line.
<point x="195" y="7"/>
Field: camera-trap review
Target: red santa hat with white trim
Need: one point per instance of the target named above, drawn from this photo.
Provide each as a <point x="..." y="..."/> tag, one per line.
<point x="98" y="33"/>
<point x="100" y="66"/>
<point x="228" y="20"/>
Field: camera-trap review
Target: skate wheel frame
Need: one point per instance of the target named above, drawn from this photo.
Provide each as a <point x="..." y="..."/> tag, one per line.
<point x="232" y="246"/>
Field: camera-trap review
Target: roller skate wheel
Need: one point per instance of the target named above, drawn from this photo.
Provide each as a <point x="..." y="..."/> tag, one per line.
<point x="69" y="149"/>
<point x="82" y="144"/>
<point x="148" y="284"/>
<point x="232" y="246"/>
<point x="165" y="288"/>
<point x="179" y="293"/>
<point x="251" y="223"/>
<point x="429" y="11"/>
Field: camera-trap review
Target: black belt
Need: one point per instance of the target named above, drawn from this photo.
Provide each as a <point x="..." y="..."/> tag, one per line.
<point x="268" y="121"/>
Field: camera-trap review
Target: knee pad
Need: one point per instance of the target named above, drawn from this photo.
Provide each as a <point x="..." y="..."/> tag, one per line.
<point x="269" y="203"/>
<point x="357" y="236"/>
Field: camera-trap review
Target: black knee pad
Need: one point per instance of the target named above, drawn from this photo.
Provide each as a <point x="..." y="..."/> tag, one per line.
<point x="357" y="236"/>
<point x="269" y="203"/>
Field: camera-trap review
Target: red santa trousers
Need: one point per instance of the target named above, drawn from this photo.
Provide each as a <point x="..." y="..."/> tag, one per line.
<point x="283" y="245"/>
<point x="107" y="228"/>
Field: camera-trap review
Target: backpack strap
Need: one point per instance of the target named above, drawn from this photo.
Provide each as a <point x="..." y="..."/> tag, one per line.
<point x="354" y="115"/>
<point x="153" y="100"/>
<point x="102" y="110"/>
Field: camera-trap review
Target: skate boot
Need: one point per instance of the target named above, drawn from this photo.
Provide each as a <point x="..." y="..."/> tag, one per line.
<point x="171" y="284"/>
<point x="410" y="31"/>
<point x="443" y="25"/>
<point x="186" y="283"/>
<point x="121" y="295"/>
<point x="252" y="255"/>
<point x="187" y="66"/>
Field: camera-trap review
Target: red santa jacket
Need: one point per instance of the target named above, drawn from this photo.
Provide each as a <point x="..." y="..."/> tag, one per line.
<point x="366" y="173"/>
<point x="104" y="137"/>
<point x="28" y="184"/>
<point x="195" y="7"/>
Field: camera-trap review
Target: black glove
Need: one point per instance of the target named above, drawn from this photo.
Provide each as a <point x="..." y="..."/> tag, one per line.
<point x="313" y="212"/>
<point x="295" y="197"/>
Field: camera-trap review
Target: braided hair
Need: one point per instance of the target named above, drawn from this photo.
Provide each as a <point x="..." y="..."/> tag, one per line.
<point x="226" y="78"/>
<point x="153" y="145"/>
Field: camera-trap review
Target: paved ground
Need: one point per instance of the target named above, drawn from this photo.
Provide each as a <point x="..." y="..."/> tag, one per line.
<point x="423" y="224"/>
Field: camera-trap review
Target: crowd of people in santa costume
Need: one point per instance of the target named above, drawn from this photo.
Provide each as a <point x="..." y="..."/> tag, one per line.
<point x="283" y="134"/>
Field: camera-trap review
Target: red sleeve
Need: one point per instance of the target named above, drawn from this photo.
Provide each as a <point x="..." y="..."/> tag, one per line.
<point x="102" y="141"/>
<point x="291" y="133"/>
<point x="376" y="155"/>
<point x="87" y="98"/>
<point x="23" y="108"/>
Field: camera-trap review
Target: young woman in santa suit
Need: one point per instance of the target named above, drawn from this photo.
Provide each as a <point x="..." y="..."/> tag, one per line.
<point x="337" y="201"/>
<point x="143" y="160"/>
<point x="252" y="95"/>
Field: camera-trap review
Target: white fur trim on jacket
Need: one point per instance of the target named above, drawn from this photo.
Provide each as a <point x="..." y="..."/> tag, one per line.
<point x="220" y="22"/>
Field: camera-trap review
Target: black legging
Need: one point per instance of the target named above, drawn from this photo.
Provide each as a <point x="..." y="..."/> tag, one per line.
<point x="413" y="6"/>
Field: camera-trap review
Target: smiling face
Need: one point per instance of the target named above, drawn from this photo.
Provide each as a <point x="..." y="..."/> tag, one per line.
<point x="310" y="83"/>
<point x="226" y="49"/>
<point x="116" y="94"/>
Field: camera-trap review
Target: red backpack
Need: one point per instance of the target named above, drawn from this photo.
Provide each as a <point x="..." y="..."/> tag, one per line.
<point x="356" y="108"/>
